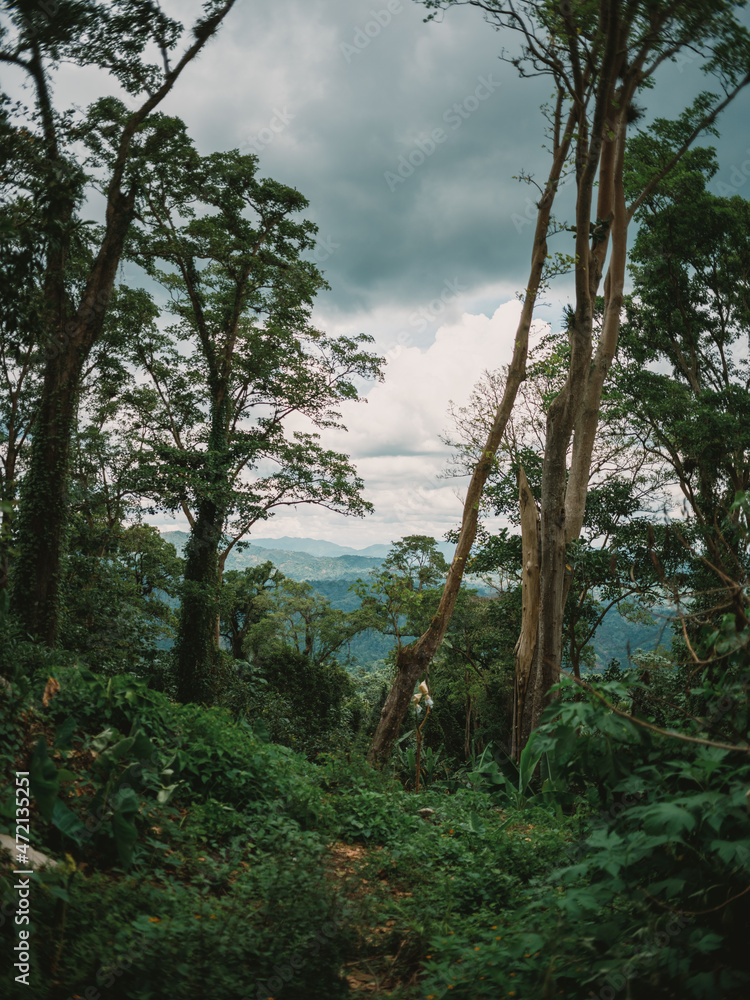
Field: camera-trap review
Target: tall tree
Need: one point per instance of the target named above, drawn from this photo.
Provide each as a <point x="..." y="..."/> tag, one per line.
<point x="115" y="37"/>
<point x="241" y="604"/>
<point x="627" y="484"/>
<point x="601" y="55"/>
<point x="227" y="247"/>
<point x="683" y="362"/>
<point x="291" y="615"/>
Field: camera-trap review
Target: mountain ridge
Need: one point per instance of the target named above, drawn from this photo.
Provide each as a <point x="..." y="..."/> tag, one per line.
<point x="295" y="563"/>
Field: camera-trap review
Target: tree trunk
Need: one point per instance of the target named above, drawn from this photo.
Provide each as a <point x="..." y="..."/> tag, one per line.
<point x="526" y="645"/>
<point x="574" y="415"/>
<point x="6" y="520"/>
<point x="42" y="519"/>
<point x="43" y="509"/>
<point x="196" y="647"/>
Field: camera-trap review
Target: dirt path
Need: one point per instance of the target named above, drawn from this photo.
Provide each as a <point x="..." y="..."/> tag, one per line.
<point x="375" y="972"/>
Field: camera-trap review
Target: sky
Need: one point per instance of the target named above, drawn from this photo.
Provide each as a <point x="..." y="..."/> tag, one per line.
<point x="406" y="139"/>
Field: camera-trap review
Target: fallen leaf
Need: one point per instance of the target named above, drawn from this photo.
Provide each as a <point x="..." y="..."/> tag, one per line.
<point x="53" y="686"/>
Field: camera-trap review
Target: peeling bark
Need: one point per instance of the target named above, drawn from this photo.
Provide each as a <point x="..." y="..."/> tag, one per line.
<point x="526" y="645"/>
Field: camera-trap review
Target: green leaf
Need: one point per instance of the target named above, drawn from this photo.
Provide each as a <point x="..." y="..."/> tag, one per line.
<point x="165" y="794"/>
<point x="476" y="825"/>
<point x="143" y="748"/>
<point x="119" y="749"/>
<point x="530" y="757"/>
<point x="667" y="816"/>
<point x="707" y="942"/>
<point x="731" y="851"/>
<point x="64" y="733"/>
<point x="124" y="829"/>
<point x="103" y="739"/>
<point x="68" y="823"/>
<point x="44" y="780"/>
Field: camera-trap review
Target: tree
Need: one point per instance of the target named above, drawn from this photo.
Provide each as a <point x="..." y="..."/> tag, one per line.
<point x="601" y="55"/>
<point x="417" y="561"/>
<point x="473" y="679"/>
<point x="627" y="486"/>
<point x="120" y="590"/>
<point x="114" y="37"/>
<point x="291" y="615"/>
<point x="22" y="214"/>
<point x="295" y="642"/>
<point x="241" y="604"/>
<point x="683" y="367"/>
<point x="400" y="597"/>
<point x="225" y="245"/>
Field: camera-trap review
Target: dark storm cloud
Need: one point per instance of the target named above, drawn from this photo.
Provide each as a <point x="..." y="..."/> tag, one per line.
<point x="404" y="136"/>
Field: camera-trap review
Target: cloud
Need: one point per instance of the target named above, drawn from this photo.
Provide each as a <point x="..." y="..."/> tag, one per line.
<point x="406" y="413"/>
<point x="360" y="84"/>
<point x="394" y="438"/>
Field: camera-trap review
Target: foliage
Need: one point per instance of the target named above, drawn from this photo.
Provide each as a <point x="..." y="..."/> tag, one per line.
<point x="683" y="369"/>
<point x="399" y="598"/>
<point x="195" y="845"/>
<point x="120" y="590"/>
<point x="218" y="832"/>
<point x="652" y="894"/>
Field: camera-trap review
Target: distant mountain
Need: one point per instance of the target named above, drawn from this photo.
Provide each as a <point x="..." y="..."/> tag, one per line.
<point x="617" y="638"/>
<point x="319" y="547"/>
<point x="294" y="563"/>
<point x="332" y="568"/>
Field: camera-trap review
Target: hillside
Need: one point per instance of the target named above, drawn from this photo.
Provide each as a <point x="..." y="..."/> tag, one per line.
<point x="299" y="565"/>
<point x="333" y="571"/>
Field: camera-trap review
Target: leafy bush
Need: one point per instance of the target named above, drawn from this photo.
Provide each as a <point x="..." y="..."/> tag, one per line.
<point x="219" y="832"/>
<point x="651" y="899"/>
<point x="272" y="931"/>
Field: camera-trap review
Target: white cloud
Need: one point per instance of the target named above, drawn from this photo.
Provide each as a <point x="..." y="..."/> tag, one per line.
<point x="406" y="413"/>
<point x="394" y="438"/>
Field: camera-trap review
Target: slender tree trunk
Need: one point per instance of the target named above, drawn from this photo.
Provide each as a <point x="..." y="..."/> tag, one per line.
<point x="196" y="646"/>
<point x="9" y="485"/>
<point x="413" y="661"/>
<point x="574" y="415"/>
<point x="526" y="645"/>
<point x="554" y="536"/>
